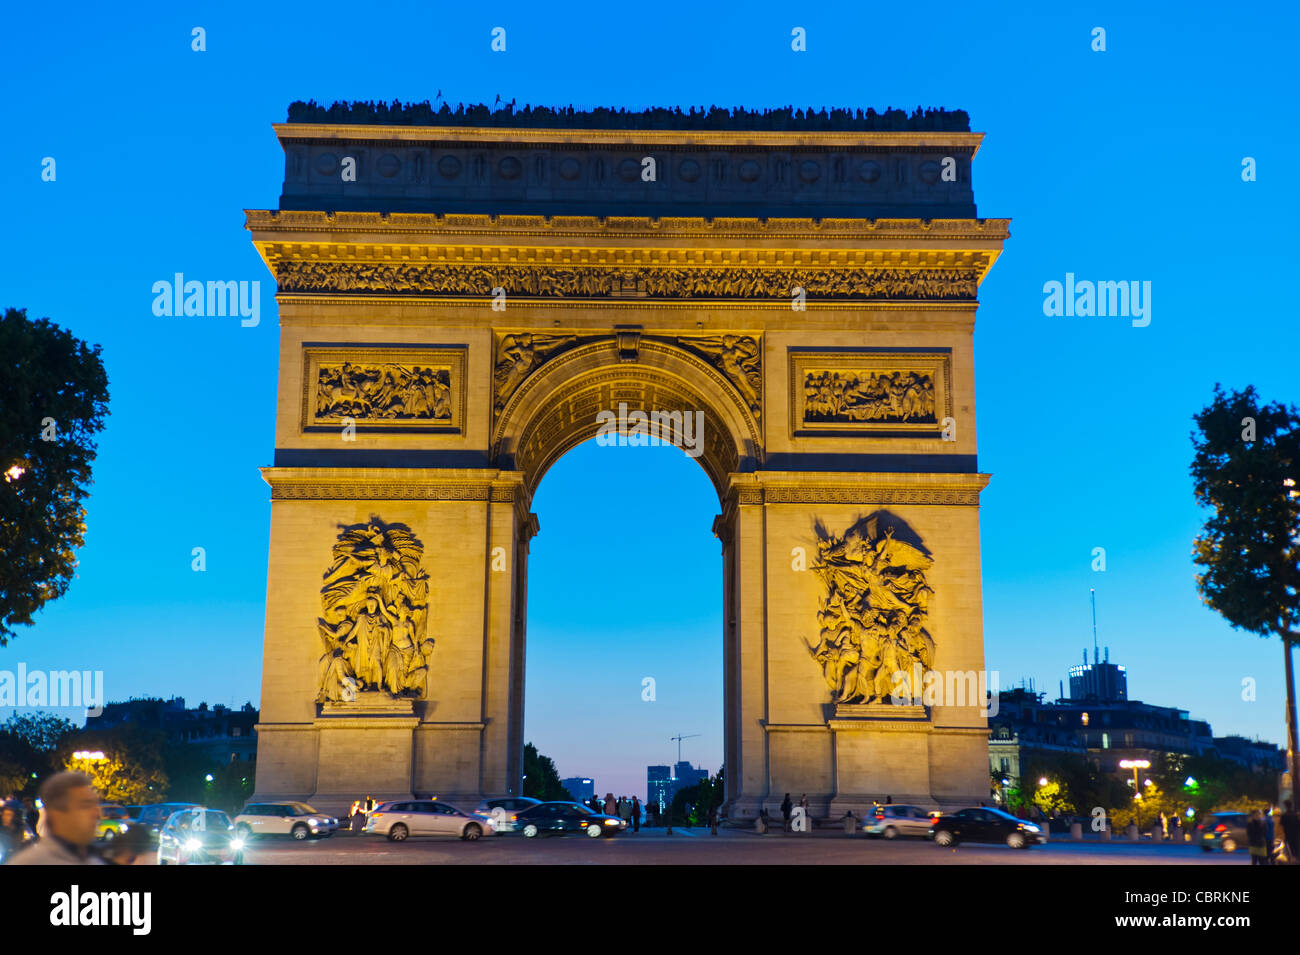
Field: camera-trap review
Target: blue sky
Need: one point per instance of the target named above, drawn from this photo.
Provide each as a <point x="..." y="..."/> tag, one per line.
<point x="1117" y="165"/>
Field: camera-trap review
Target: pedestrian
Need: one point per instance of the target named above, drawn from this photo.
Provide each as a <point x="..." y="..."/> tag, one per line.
<point x="1291" y="832"/>
<point x="803" y="804"/>
<point x="12" y="830"/>
<point x="713" y="819"/>
<point x="636" y="814"/>
<point x="71" y="815"/>
<point x="626" y="812"/>
<point x="611" y="808"/>
<point x="787" y="807"/>
<point x="1269" y="841"/>
<point x="33" y="815"/>
<point x="1256" y="833"/>
<point x="889" y="800"/>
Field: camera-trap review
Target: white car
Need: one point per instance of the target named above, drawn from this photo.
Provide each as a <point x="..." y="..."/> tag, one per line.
<point x="296" y="819"/>
<point x="426" y="817"/>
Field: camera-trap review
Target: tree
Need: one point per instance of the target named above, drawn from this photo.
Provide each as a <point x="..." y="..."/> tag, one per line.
<point x="541" y="781"/>
<point x="53" y="398"/>
<point x="132" y="770"/>
<point x="1247" y="473"/>
<point x="28" y="744"/>
<point x="690" y="805"/>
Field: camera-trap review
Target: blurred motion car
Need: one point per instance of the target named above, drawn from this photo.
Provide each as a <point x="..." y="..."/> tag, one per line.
<point x="504" y="810"/>
<point x="199" y="836"/>
<point x="426" y="817"/>
<point x="155" y="817"/>
<point x="113" y="821"/>
<point x="557" y="818"/>
<point x="986" y="825"/>
<point x="890" y="822"/>
<point x="1222" y="830"/>
<point x="296" y="819"/>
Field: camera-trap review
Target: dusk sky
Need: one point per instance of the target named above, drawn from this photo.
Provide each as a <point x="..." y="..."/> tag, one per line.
<point x="1116" y="165"/>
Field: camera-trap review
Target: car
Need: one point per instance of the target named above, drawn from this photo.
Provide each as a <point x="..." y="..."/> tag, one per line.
<point x="154" y="817"/>
<point x="504" y="810"/>
<point x="557" y="818"/>
<point x="985" y="824"/>
<point x="296" y="819"/>
<point x="399" y="820"/>
<point x="890" y="822"/>
<point x="1226" y="830"/>
<point x="199" y="836"/>
<point x="113" y="822"/>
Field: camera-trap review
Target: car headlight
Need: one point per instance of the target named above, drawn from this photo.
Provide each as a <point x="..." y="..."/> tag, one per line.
<point x="613" y="822"/>
<point x="313" y="822"/>
<point x="1030" y="827"/>
<point x="237" y="845"/>
<point x="193" y="845"/>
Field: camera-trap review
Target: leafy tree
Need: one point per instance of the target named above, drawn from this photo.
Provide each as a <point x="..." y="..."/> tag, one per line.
<point x="119" y="778"/>
<point x="27" y="750"/>
<point x="132" y="770"/>
<point x="1247" y="474"/>
<point x="690" y="805"/>
<point x="541" y="779"/>
<point x="53" y="399"/>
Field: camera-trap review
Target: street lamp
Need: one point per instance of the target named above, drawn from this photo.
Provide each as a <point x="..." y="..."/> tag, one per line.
<point x="1135" y="765"/>
<point x="1042" y="780"/>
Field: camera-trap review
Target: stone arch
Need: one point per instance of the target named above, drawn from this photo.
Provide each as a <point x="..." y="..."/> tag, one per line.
<point x="556" y="407"/>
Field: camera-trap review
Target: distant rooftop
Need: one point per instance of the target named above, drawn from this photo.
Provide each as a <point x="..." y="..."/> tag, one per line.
<point x="739" y="119"/>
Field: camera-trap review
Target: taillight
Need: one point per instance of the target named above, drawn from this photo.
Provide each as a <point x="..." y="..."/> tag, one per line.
<point x="1220" y="828"/>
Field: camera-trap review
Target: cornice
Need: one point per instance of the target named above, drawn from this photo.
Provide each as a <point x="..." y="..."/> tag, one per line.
<point x="409" y="223"/>
<point x="347" y="132"/>
<point x="780" y="487"/>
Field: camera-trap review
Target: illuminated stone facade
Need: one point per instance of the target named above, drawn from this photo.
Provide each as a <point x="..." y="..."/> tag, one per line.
<point x="454" y="321"/>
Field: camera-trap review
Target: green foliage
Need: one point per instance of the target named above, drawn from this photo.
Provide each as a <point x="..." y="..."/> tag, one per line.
<point x="542" y="781"/>
<point x="690" y="805"/>
<point x="27" y="751"/>
<point x="1248" y="550"/>
<point x="133" y="771"/>
<point x="53" y="399"/>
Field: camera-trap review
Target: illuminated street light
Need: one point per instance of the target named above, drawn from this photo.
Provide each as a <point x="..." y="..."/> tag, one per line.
<point x="1135" y="765"/>
<point x="1042" y="780"/>
<point x="13" y="474"/>
<point x="95" y="757"/>
<point x="208" y="777"/>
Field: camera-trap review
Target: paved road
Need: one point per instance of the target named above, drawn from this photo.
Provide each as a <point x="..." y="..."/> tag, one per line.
<point x="697" y="847"/>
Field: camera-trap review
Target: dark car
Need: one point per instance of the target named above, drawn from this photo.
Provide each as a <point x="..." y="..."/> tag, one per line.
<point x="1226" y="830"/>
<point x="154" y="817"/>
<point x="986" y="825"/>
<point x="557" y="818"/>
<point x="200" y="836"/>
<point x="503" y="811"/>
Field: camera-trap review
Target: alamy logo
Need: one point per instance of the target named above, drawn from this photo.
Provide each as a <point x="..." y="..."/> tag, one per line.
<point x="75" y="907"/>
<point x="1103" y="299"/>
<point x="638" y="429"/>
<point x="55" y="688"/>
<point x="200" y="299"/>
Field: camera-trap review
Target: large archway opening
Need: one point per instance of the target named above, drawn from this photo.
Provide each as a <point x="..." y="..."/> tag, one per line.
<point x="624" y="620"/>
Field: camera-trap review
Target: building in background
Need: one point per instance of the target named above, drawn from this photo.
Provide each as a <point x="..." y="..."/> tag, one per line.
<point x="581" y="788"/>
<point x="1099" y="680"/>
<point x="226" y="735"/>
<point x="662" y="782"/>
<point x="1097" y="720"/>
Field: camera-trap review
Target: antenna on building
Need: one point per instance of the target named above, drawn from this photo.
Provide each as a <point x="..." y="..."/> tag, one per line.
<point x="1096" y="657"/>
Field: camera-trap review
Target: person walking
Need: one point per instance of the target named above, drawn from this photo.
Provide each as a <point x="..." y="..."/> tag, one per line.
<point x="12" y="830"/>
<point x="786" y="808"/>
<point x="1291" y="832"/>
<point x="1256" y="833"/>
<point x="713" y="819"/>
<point x="611" y="808"/>
<point x="636" y="814"/>
<point x="803" y="804"/>
<point x="71" y="815"/>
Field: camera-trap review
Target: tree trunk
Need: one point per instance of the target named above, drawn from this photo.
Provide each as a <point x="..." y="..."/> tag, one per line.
<point x="1293" y="752"/>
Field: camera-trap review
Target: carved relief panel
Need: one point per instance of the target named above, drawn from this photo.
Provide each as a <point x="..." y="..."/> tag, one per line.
<point x="384" y="389"/>
<point x="870" y="392"/>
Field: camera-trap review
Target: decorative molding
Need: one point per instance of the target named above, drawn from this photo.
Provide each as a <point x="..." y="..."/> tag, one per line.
<point x="696" y="283"/>
<point x="739" y="357"/>
<point x="428" y="385"/>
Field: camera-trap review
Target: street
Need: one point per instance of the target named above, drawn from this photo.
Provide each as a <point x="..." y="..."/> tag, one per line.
<point x="729" y="847"/>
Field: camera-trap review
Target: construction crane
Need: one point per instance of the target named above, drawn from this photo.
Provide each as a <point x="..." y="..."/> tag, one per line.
<point x="679" y="737"/>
